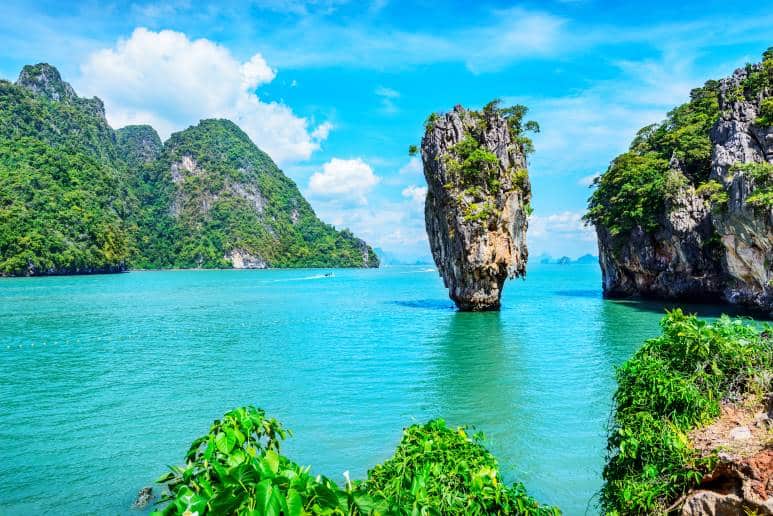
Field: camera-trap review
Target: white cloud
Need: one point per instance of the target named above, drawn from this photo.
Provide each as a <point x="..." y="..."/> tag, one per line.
<point x="588" y="180"/>
<point x="388" y="99"/>
<point x="170" y="81"/>
<point x="413" y="167"/>
<point x="560" y="234"/>
<point x="501" y="38"/>
<point x="343" y="180"/>
<point x="381" y="91"/>
<point x="416" y="194"/>
<point x="394" y="226"/>
<point x="564" y="223"/>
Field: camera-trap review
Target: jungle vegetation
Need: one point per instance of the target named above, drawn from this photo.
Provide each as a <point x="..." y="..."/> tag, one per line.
<point x="238" y="468"/>
<point x="664" y="157"/>
<point x="673" y="384"/>
<point x="78" y="197"/>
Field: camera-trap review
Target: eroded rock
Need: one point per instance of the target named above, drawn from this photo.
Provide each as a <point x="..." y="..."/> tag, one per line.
<point x="702" y="249"/>
<point x="477" y="204"/>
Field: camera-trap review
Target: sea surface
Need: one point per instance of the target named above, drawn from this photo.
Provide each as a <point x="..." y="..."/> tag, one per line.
<point x="105" y="380"/>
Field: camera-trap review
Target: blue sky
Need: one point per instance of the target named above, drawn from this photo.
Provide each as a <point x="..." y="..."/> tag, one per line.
<point x="335" y="91"/>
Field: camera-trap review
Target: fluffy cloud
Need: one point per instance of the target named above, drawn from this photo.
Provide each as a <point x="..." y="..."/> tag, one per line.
<point x="565" y="223"/>
<point x="343" y="180"/>
<point x="416" y="194"/>
<point x="560" y="234"/>
<point x="394" y="226"/>
<point x="413" y="167"/>
<point x="169" y="81"/>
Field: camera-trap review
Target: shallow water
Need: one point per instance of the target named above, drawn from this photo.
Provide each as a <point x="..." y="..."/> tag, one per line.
<point x="104" y="380"/>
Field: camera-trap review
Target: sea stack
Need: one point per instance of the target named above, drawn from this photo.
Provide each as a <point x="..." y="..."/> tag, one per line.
<point x="477" y="204"/>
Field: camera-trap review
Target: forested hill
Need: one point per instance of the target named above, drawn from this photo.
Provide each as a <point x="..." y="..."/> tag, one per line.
<point x="78" y="197"/>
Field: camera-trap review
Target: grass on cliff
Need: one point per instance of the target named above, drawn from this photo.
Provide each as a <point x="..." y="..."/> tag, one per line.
<point x="237" y="468"/>
<point x="673" y="384"/>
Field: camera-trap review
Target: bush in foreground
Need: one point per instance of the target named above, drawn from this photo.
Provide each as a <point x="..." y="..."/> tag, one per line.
<point x="673" y="384"/>
<point x="237" y="468"/>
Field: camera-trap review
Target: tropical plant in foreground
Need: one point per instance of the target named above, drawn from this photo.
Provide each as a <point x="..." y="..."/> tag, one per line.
<point x="673" y="384"/>
<point x="237" y="468"/>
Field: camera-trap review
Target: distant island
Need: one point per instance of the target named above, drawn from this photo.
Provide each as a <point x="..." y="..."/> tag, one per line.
<point x="78" y="197"/>
<point x="565" y="260"/>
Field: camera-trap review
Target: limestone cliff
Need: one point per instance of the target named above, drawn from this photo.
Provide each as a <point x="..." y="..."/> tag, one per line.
<point x="687" y="213"/>
<point x="477" y="203"/>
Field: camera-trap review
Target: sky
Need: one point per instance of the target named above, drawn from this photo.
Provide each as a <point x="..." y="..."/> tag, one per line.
<point x="335" y="90"/>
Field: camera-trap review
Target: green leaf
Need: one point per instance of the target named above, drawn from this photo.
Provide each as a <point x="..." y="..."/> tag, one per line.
<point x="225" y="442"/>
<point x="294" y="503"/>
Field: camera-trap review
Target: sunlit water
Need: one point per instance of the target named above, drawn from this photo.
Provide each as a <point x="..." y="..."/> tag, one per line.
<point x="104" y="380"/>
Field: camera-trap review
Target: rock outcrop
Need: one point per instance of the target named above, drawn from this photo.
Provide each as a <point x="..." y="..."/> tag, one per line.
<point x="742" y="480"/>
<point x="712" y="236"/>
<point x="477" y="203"/>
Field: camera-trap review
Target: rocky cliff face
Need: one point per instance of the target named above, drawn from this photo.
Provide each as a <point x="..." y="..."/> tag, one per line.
<point x="745" y="227"/>
<point x="742" y="480"/>
<point x="712" y="236"/>
<point x="231" y="206"/>
<point x="477" y="203"/>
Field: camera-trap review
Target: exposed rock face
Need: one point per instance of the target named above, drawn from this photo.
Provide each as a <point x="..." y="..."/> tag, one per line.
<point x="704" y="251"/>
<point x="241" y="259"/>
<point x="144" y="497"/>
<point x="742" y="481"/>
<point x="476" y="212"/>
<point x="43" y="79"/>
<point x="746" y="231"/>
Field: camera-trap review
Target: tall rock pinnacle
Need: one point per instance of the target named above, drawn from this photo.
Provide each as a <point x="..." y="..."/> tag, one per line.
<point x="477" y="204"/>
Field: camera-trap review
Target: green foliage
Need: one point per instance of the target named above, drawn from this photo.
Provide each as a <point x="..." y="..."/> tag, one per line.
<point x="442" y="470"/>
<point x="758" y="79"/>
<point x="429" y="123"/>
<point x="630" y="193"/>
<point x="62" y="204"/>
<point x="674" y="383"/>
<point x="472" y="161"/>
<point x="714" y="192"/>
<point x="634" y="189"/>
<point x="515" y="124"/>
<point x="762" y="174"/>
<point x="521" y="178"/>
<point x="237" y="468"/>
<point x="766" y="112"/>
<point x="76" y="196"/>
<point x="216" y="204"/>
<point x="482" y="211"/>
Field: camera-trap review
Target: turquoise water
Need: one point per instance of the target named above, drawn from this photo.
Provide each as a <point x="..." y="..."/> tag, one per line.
<point x="104" y="380"/>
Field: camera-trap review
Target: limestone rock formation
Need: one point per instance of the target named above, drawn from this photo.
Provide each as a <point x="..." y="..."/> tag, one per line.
<point x="742" y="480"/>
<point x="710" y="237"/>
<point x="477" y="203"/>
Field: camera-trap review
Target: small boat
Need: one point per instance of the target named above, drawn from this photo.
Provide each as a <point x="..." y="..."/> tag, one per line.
<point x="329" y="275"/>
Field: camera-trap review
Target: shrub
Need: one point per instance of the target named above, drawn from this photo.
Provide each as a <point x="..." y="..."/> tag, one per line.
<point x="237" y="468"/>
<point x="714" y="191"/>
<point x="673" y="384"/>
<point x="762" y="175"/>
<point x="442" y="470"/>
<point x="766" y="112"/>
